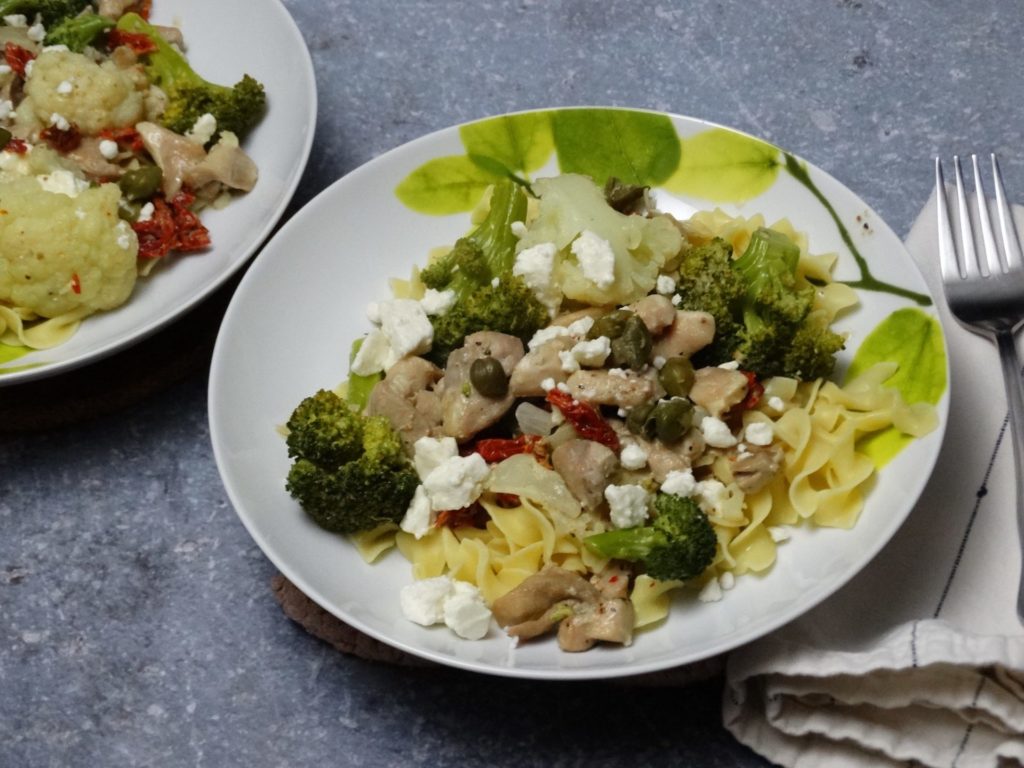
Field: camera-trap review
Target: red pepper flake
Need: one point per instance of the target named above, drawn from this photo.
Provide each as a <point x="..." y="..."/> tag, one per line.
<point x="126" y="137"/>
<point x="612" y="579"/>
<point x="17" y="146"/>
<point x="139" y="42"/>
<point x="755" y="391"/>
<point x="17" y="57"/>
<point x="498" y="449"/>
<point x="76" y="284"/>
<point x="63" y="141"/>
<point x="584" y="418"/>
<point x="172" y="227"/>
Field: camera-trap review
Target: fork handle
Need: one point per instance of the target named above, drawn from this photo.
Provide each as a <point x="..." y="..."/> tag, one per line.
<point x="1015" y="398"/>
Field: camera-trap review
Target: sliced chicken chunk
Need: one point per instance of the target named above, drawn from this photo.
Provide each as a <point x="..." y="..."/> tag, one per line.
<point x="571" y="317"/>
<point x="587" y="468"/>
<point x="226" y="164"/>
<point x="538" y="364"/>
<point x="717" y="390"/>
<point x="466" y="411"/>
<point x="756" y="466"/>
<point x="656" y="311"/>
<point x="534" y="596"/>
<point x="609" y="620"/>
<point x="406" y="397"/>
<point x="689" y="333"/>
<point x="626" y="389"/>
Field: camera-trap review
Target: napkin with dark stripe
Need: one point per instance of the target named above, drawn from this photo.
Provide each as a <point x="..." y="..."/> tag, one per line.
<point x="920" y="658"/>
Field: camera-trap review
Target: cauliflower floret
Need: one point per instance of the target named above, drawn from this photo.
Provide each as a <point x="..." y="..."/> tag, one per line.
<point x="60" y="253"/>
<point x="91" y="96"/>
<point x="571" y="205"/>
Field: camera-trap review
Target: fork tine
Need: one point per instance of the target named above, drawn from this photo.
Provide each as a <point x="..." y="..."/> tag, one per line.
<point x="1011" y="243"/>
<point x="947" y="246"/>
<point x="991" y="264"/>
<point x="969" y="260"/>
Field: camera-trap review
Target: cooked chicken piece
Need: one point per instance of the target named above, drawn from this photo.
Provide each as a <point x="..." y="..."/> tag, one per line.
<point x="406" y="397"/>
<point x="225" y="164"/>
<point x="114" y="9"/>
<point x="587" y="468"/>
<point x="625" y="389"/>
<point x="175" y="154"/>
<point x="538" y="364"/>
<point x="661" y="458"/>
<point x="88" y="157"/>
<point x="608" y="620"/>
<point x="657" y="312"/>
<point x="525" y="630"/>
<point x="536" y="594"/>
<point x="466" y="411"/>
<point x="571" y="317"/>
<point x="612" y="582"/>
<point x="717" y="390"/>
<point x="688" y="334"/>
<point x="757" y="466"/>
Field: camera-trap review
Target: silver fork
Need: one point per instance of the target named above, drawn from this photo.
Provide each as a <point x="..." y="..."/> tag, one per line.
<point x="985" y="292"/>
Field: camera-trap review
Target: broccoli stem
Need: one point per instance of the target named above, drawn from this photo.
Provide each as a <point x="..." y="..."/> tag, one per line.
<point x="494" y="235"/>
<point x="631" y="544"/>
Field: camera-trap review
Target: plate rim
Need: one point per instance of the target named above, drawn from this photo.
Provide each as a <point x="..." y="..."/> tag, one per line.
<point x="266" y="230"/>
<point x="563" y="674"/>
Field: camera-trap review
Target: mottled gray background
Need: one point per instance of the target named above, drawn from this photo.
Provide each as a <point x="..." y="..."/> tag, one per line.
<point x="136" y="623"/>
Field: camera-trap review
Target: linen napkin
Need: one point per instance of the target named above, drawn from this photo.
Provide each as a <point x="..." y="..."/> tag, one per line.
<point x="920" y="658"/>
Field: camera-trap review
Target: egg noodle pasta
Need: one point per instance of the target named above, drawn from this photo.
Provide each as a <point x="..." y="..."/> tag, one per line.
<point x="18" y="329"/>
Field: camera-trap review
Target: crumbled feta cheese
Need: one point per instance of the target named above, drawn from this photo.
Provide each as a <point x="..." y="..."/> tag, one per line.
<point x="518" y="228"/>
<point x="580" y="328"/>
<point x="544" y="335"/>
<point x="727" y="580"/>
<point x="622" y="413"/>
<point x="124" y="241"/>
<point x="711" y="592"/>
<point x="710" y="495"/>
<point x="596" y="258"/>
<point x="627" y="505"/>
<point x="569" y="362"/>
<point x="658" y="362"/>
<point x="431" y="452"/>
<point x="36" y="33"/>
<point x="676" y="300"/>
<point x="108" y="149"/>
<point x="563" y="387"/>
<point x="732" y="365"/>
<point x="423" y="601"/>
<point x="202" y="129"/>
<point x="419" y="517"/>
<point x="59" y="122"/>
<point x="435" y="302"/>
<point x="466" y="613"/>
<point x="534" y="265"/>
<point x="593" y="352"/>
<point x="30" y="67"/>
<point x="547" y="384"/>
<point x="457" y="482"/>
<point x="778" y="534"/>
<point x="557" y="417"/>
<point x="633" y="457"/>
<point x="759" y="433"/>
<point x="146" y="212"/>
<point x="679" y="482"/>
<point x="716" y="433"/>
<point x="62" y="182"/>
<point x="776" y="404"/>
<point x="406" y="327"/>
<point x="59" y="48"/>
<point x="665" y="285"/>
<point x="65" y="87"/>
<point x="16" y="20"/>
<point x="374" y="354"/>
<point x="495" y="282"/>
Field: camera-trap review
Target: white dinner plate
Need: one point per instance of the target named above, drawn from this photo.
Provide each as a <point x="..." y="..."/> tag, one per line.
<point x="225" y="40"/>
<point x="288" y="329"/>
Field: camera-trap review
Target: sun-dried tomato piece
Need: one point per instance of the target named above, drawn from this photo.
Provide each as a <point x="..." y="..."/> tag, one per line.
<point x="173" y="226"/>
<point x="126" y="137"/>
<point x="755" y="391"/>
<point x="63" y="140"/>
<point x="17" y="146"/>
<point x="17" y="57"/>
<point x="497" y="449"/>
<point x="472" y="516"/>
<point x="139" y="42"/>
<point x="190" y="233"/>
<point x="584" y="418"/>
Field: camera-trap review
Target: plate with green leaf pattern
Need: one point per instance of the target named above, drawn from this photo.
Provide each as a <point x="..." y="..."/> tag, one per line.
<point x="289" y="327"/>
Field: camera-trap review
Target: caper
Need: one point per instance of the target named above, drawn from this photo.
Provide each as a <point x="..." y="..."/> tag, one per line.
<point x="5" y="136"/>
<point x="632" y="347"/>
<point x="488" y="377"/>
<point x="673" y="418"/>
<point x="141" y="183"/>
<point x="610" y="325"/>
<point x="676" y="376"/>
<point x="128" y="211"/>
<point x="641" y="420"/>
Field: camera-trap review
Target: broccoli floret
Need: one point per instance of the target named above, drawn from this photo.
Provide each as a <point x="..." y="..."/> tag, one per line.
<point x="488" y="252"/>
<point x="50" y="11"/>
<point x="78" y="32"/>
<point x="763" y="312"/>
<point x="237" y="108"/>
<point x="350" y="473"/>
<point x="678" y="545"/>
